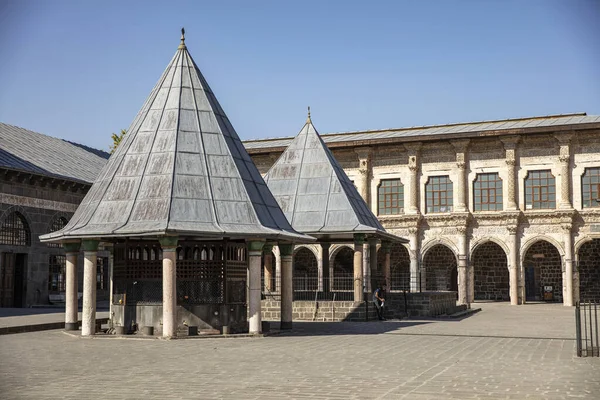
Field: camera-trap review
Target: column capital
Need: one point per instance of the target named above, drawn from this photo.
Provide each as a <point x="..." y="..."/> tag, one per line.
<point x="267" y="248"/>
<point x="564" y="158"/>
<point x="510" y="142"/>
<point x="255" y="245"/>
<point x="286" y="249"/>
<point x="564" y="139"/>
<point x="363" y="153"/>
<point x="510" y="162"/>
<point x="413" y="230"/>
<point x="325" y="245"/>
<point x="461" y="145"/>
<point x="462" y="230"/>
<point x="167" y="242"/>
<point x="90" y="244"/>
<point x="512" y="230"/>
<point x="72" y="247"/>
<point x="566" y="228"/>
<point x="359" y="238"/>
<point x="386" y="246"/>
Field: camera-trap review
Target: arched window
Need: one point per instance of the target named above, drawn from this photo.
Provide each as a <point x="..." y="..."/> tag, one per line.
<point x="14" y="230"/>
<point x="57" y="225"/>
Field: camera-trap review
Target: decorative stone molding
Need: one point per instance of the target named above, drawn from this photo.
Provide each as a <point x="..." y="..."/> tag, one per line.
<point x="37" y="203"/>
<point x="445" y="220"/>
<point x="409" y="221"/>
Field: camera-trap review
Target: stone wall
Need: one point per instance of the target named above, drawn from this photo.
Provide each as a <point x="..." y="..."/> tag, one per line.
<point x="547" y="269"/>
<point x="321" y="311"/>
<point x="425" y="304"/>
<point x="40" y="204"/>
<point x="439" y="264"/>
<point x="589" y="271"/>
<point x="491" y="272"/>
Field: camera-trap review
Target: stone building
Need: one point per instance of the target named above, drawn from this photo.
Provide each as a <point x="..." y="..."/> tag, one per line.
<point x="42" y="181"/>
<point x="496" y="210"/>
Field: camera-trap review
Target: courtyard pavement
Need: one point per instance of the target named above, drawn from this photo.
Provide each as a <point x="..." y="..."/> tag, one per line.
<point x="502" y="352"/>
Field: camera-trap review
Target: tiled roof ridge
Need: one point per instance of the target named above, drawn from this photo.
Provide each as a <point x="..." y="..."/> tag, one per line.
<point x="577" y="114"/>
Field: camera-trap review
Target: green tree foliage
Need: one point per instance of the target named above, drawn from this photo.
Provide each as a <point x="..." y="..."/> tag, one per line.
<point x="117" y="140"/>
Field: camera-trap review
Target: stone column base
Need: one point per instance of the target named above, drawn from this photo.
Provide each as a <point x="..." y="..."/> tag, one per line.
<point x="71" y="326"/>
<point x="286" y="325"/>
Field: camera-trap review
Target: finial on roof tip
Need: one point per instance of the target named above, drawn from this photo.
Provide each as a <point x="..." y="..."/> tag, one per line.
<point x="308" y="119"/>
<point x="182" y="44"/>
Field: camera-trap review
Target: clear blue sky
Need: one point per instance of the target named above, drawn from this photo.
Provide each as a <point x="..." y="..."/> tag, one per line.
<point x="81" y="70"/>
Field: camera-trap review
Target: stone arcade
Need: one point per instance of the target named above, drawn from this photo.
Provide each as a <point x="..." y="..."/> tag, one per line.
<point x="496" y="210"/>
<point x="180" y="194"/>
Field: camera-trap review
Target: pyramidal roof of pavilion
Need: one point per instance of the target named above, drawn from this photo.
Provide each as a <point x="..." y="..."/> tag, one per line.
<point x="316" y="195"/>
<point x="181" y="169"/>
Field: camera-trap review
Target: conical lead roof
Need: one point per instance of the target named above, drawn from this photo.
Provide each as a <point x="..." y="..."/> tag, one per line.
<point x="181" y="169"/>
<point x="315" y="193"/>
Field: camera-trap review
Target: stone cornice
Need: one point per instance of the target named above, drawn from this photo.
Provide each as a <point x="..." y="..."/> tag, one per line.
<point x="400" y="221"/>
<point x="549" y="217"/>
<point x="453" y="219"/>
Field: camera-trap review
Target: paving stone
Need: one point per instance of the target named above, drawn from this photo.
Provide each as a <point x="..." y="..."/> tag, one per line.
<point x="474" y="358"/>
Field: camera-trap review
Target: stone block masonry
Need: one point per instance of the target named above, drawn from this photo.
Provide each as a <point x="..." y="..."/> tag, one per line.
<point x="426" y="304"/>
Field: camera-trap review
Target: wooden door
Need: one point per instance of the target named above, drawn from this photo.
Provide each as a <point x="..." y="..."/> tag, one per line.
<point x="7" y="280"/>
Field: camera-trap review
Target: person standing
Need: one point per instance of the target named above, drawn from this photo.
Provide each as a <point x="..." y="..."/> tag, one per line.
<point x="379" y="301"/>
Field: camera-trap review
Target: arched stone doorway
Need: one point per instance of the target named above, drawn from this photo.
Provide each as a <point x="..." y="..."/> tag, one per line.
<point x="589" y="271"/>
<point x="440" y="269"/>
<point x="490" y="267"/>
<point x="399" y="267"/>
<point x="305" y="270"/>
<point x="542" y="267"/>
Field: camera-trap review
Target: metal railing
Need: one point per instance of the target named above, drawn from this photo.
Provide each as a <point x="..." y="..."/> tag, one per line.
<point x="339" y="288"/>
<point x="586" y="326"/>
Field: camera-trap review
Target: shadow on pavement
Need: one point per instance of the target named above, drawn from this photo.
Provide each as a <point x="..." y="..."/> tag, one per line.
<point x="307" y="328"/>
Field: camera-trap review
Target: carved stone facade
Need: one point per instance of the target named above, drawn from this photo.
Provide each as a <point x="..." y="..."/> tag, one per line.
<point x="516" y="228"/>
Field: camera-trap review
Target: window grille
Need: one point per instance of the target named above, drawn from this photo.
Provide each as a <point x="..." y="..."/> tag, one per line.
<point x="540" y="190"/>
<point x="56" y="273"/>
<point x="487" y="192"/>
<point x="15" y="231"/>
<point x="57" y="225"/>
<point x="439" y="194"/>
<point x="391" y="197"/>
<point x="590" y="187"/>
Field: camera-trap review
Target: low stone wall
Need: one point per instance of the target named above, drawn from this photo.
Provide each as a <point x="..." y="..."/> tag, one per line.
<point x="432" y="304"/>
<point x="320" y="311"/>
<point x="425" y="304"/>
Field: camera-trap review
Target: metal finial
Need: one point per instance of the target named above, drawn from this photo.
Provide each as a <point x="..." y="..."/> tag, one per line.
<point x="182" y="44"/>
<point x="308" y="119"/>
